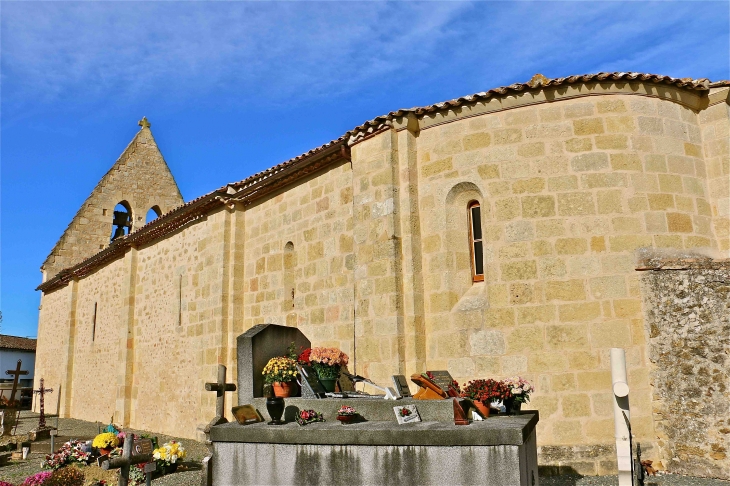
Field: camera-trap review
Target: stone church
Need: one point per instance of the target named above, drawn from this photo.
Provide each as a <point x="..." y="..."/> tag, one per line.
<point x="491" y="235"/>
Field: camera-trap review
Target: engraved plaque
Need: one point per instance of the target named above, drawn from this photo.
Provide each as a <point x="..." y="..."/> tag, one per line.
<point x="246" y="414"/>
<point x="401" y="386"/>
<point x="442" y="378"/>
<point x="142" y="446"/>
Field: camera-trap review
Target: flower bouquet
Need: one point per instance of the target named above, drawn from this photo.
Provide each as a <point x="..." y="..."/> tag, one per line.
<point x="71" y="451"/>
<point x="305" y="417"/>
<point x="327" y="363"/>
<point x="520" y="390"/>
<point x="280" y="372"/>
<point x="346" y="414"/>
<point x="168" y="455"/>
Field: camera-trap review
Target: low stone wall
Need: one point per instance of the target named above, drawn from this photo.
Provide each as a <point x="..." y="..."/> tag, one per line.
<point x="687" y="304"/>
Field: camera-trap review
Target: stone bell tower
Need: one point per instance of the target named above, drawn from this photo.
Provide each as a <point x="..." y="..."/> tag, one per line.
<point x="139" y="181"/>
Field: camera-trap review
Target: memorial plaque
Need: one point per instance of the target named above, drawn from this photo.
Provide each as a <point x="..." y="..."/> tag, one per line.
<point x="442" y="378"/>
<point x="142" y="446"/>
<point x="401" y="386"/>
<point x="411" y="418"/>
<point x="246" y="414"/>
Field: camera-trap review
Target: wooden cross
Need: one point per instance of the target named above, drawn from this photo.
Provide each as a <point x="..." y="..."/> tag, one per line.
<point x="144" y="123"/>
<point x="133" y="452"/>
<point x="16" y="374"/>
<point x="220" y="387"/>
<point x="42" y="391"/>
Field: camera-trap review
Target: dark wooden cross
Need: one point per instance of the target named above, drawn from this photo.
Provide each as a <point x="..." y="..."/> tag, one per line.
<point x="144" y="123"/>
<point x="133" y="452"/>
<point x="220" y="387"/>
<point x="16" y="374"/>
<point x="41" y="392"/>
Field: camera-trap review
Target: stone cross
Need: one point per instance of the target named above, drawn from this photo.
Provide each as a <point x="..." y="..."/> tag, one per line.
<point x="128" y="459"/>
<point x="41" y="392"/>
<point x="220" y="387"/>
<point x="16" y="374"/>
<point x="144" y="123"/>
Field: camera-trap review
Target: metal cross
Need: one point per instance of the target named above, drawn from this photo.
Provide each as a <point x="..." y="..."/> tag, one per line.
<point x="42" y="391"/>
<point x="220" y="387"/>
<point x="16" y="374"/>
<point x="144" y="123"/>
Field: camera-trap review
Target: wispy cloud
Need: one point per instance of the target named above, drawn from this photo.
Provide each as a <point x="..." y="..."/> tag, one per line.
<point x="272" y="52"/>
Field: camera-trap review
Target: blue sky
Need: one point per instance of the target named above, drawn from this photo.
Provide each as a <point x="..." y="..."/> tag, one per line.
<point x="232" y="88"/>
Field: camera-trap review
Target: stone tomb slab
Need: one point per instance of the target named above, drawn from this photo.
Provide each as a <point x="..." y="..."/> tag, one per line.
<point x="255" y="348"/>
<point x="497" y="452"/>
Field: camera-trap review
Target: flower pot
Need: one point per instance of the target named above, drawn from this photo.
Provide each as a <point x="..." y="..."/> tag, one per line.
<point x="167" y="468"/>
<point x="328" y="376"/>
<point x="346" y="419"/>
<point x="104" y="452"/>
<point x="328" y="384"/>
<point x="482" y="407"/>
<point x="275" y="407"/>
<point x="283" y="389"/>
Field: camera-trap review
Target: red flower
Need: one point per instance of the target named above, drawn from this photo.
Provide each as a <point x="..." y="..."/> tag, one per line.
<point x="304" y="356"/>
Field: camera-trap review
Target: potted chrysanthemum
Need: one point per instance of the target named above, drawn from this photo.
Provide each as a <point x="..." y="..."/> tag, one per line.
<point x="281" y="373"/>
<point x="105" y="442"/>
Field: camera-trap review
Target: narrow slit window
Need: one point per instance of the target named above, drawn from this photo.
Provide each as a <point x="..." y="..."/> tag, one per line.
<point x="475" y="242"/>
<point x="93" y="327"/>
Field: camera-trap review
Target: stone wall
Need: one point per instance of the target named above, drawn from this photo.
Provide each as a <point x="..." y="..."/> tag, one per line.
<point x="688" y="324"/>
<point x="570" y="181"/>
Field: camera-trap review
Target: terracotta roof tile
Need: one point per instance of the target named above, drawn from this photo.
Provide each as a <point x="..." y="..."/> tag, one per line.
<point x="15" y="342"/>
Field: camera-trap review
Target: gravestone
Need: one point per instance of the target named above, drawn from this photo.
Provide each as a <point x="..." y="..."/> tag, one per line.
<point x="255" y="348"/>
<point x="133" y="452"/>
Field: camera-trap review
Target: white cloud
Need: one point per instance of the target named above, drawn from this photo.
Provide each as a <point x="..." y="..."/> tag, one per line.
<point x="276" y="52"/>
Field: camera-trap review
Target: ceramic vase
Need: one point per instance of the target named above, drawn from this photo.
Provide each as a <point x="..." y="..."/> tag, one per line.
<point x="512" y="407"/>
<point x="283" y="389"/>
<point x="275" y="407"/>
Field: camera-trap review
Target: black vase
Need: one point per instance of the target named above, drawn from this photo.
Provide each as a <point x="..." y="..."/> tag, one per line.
<point x="512" y="406"/>
<point x="275" y="407"/>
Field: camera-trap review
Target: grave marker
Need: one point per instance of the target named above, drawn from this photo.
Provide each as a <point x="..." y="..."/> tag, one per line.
<point x="41" y="392"/>
<point x="128" y="459"/>
<point x="220" y="387"/>
<point x="15" y="374"/>
<point x="255" y="348"/>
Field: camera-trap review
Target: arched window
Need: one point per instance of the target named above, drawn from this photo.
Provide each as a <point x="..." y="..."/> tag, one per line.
<point x="153" y="214"/>
<point x="122" y="222"/>
<point x="476" y="246"/>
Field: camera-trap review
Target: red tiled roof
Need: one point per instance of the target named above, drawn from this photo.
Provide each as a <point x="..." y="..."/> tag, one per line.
<point x="15" y="342"/>
<point x="261" y="183"/>
<point x="539" y="81"/>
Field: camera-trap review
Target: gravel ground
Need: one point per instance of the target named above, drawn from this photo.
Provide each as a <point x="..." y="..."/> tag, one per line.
<point x="188" y="473"/>
<point x="658" y="480"/>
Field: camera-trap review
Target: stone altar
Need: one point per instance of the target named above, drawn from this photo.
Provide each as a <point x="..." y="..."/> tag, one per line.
<point x="499" y="451"/>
